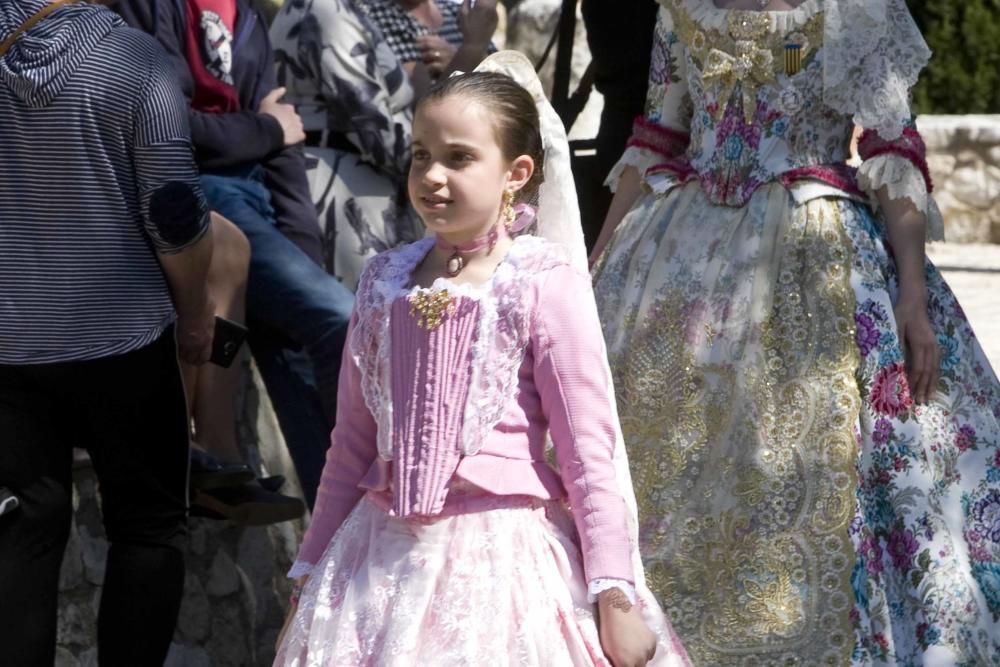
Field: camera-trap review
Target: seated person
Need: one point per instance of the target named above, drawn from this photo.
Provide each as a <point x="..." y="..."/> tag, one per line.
<point x="247" y="144"/>
<point x="433" y="38"/>
<point x="357" y="120"/>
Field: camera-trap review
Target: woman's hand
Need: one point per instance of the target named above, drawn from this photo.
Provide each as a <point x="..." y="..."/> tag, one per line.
<point x="625" y="638"/>
<point x="906" y="227"/>
<point x="436" y="53"/>
<point x="920" y="345"/>
<point x="285" y="114"/>
<point x="478" y="22"/>
<point x="194" y="333"/>
<point x="628" y="191"/>
<point x="293" y="608"/>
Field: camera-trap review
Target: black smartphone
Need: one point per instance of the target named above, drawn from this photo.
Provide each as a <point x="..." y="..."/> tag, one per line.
<point x="228" y="338"/>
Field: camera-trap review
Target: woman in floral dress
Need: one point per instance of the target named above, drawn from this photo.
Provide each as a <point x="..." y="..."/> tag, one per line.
<point x="356" y="102"/>
<point x="811" y="422"/>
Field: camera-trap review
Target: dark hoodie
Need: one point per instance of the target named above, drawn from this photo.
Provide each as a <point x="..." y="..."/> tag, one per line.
<point x="226" y="140"/>
<point x="96" y="171"/>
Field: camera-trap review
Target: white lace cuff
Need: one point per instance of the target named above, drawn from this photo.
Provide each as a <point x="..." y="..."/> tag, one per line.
<point x="598" y="586"/>
<point x="635" y="156"/>
<point x="902" y="179"/>
<point x="300" y="569"/>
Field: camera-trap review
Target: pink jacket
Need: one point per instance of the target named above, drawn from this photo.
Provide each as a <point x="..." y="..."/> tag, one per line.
<point x="473" y="399"/>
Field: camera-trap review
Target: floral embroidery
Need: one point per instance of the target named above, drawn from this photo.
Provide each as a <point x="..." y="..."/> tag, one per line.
<point x="711" y="423"/>
<point x="890" y="394"/>
<point x="344" y="80"/>
<point x="867" y="335"/>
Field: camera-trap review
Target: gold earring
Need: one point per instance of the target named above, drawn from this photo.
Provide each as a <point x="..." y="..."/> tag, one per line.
<point x="508" y="209"/>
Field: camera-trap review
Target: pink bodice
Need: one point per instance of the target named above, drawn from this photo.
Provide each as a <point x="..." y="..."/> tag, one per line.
<point x="430" y="418"/>
<point x="428" y="390"/>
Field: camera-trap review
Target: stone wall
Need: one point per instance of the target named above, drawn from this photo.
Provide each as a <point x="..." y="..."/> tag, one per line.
<point x="235" y="591"/>
<point x="963" y="153"/>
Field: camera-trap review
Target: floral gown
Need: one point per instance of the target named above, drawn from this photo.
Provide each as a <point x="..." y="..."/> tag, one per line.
<point x="796" y="506"/>
<point x="344" y="79"/>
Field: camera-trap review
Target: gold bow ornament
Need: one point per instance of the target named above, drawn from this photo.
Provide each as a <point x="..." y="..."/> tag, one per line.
<point x="751" y="67"/>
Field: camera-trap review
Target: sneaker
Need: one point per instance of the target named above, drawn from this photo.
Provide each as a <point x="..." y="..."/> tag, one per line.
<point x="249" y="504"/>
<point x="208" y="472"/>
<point x="8" y="501"/>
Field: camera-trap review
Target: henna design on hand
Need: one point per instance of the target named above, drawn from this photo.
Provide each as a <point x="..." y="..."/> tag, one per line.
<point x="618" y="600"/>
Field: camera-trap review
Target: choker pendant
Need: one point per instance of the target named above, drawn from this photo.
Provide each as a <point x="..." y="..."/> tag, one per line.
<point x="455" y="264"/>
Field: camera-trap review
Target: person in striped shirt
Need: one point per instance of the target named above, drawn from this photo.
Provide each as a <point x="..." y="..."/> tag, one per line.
<point x="248" y="147"/>
<point x="105" y="242"/>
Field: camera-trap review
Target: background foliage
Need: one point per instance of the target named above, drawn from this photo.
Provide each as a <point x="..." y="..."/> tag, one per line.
<point x="964" y="74"/>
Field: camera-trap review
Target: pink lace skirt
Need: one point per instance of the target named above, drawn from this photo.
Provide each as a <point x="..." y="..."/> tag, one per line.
<point x="504" y="586"/>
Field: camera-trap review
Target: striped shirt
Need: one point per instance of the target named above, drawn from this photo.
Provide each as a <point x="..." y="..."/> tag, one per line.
<point x="97" y="175"/>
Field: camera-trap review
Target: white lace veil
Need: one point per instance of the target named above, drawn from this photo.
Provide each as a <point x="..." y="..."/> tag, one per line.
<point x="558" y="215"/>
<point x="873" y="54"/>
<point x="558" y="220"/>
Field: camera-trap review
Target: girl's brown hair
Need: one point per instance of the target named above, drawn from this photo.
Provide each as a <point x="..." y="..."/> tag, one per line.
<point x="515" y="116"/>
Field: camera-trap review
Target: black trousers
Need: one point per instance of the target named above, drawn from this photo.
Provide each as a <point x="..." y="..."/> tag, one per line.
<point x="129" y="412"/>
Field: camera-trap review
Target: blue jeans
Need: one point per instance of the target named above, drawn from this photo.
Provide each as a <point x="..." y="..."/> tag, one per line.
<point x="290" y="299"/>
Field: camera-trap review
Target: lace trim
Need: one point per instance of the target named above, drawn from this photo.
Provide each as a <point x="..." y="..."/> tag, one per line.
<point x="873" y="56"/>
<point x="504" y="330"/>
<point x="902" y="179"/>
<point x="909" y="145"/>
<point x="598" y="586"/>
<point x="300" y="569"/>
<point x="640" y="158"/>
<point x="710" y="16"/>
<point x="500" y="346"/>
<point x="382" y="280"/>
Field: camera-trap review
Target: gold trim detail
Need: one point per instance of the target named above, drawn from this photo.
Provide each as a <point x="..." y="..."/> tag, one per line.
<point x="430" y="307"/>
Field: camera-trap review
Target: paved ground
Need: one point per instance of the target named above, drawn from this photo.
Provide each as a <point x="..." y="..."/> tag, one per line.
<point x="973" y="271"/>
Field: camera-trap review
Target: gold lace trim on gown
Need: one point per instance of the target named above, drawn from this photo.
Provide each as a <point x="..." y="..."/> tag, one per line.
<point x="740" y="431"/>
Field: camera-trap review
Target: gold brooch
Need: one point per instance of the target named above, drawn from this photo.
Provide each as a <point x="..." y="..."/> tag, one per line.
<point x="430" y="307"/>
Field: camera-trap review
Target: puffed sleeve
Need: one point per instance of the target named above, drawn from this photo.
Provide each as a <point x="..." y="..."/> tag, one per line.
<point x="662" y="133"/>
<point x="900" y="166"/>
<point x="352" y="451"/>
<point x="575" y="389"/>
<point x="873" y="54"/>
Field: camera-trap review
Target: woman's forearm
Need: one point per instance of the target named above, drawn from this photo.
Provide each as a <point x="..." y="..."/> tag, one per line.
<point x="467" y="58"/>
<point x="907" y="231"/>
<point x="629" y="190"/>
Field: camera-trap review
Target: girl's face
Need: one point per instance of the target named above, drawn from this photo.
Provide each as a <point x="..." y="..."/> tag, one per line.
<point x="459" y="174"/>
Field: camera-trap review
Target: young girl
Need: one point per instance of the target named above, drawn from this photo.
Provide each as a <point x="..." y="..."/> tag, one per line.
<point x="441" y="536"/>
<point x="812" y="423"/>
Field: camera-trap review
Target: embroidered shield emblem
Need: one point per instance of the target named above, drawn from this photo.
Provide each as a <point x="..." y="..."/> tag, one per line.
<point x="793" y="59"/>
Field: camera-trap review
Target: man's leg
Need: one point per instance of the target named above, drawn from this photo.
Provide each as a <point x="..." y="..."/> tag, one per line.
<point x="35" y="464"/>
<point x="292" y="295"/>
<point x="291" y="385"/>
<point x="135" y="419"/>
